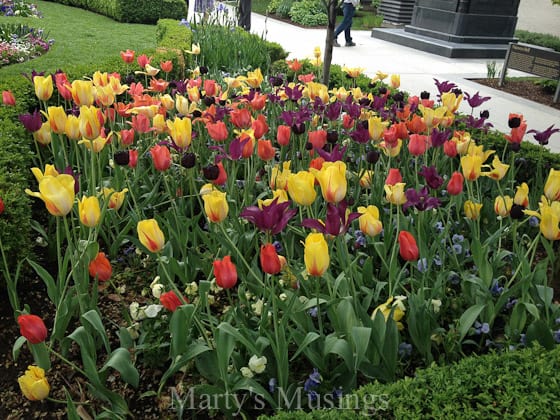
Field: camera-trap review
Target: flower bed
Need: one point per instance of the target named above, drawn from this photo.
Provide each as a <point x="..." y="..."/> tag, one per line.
<point x="19" y="43"/>
<point x="19" y="8"/>
<point x="276" y="239"/>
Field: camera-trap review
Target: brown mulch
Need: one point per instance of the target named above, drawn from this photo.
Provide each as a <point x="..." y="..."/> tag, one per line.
<point x="523" y="88"/>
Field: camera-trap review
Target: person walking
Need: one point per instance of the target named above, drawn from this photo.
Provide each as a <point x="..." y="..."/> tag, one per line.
<point x="244" y="14"/>
<point x="348" y="10"/>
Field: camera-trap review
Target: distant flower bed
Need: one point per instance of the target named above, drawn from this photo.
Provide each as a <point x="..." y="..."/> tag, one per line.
<point x="19" y="43"/>
<point x="19" y="8"/>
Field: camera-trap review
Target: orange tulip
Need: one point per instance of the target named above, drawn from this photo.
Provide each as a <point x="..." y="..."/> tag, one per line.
<point x="318" y="138"/>
<point x="283" y="135"/>
<point x="170" y="301"/>
<point x="166" y="66"/>
<point x="408" y="249"/>
<point x="260" y="127"/>
<point x="455" y="184"/>
<point x="241" y="118"/>
<point x="225" y="272"/>
<point x="270" y="262"/>
<point x="418" y="144"/>
<point x="100" y="267"/>
<point x="127" y="56"/>
<point x="217" y="131"/>
<point x="161" y="156"/>
<point x="8" y="98"/>
<point x="265" y="150"/>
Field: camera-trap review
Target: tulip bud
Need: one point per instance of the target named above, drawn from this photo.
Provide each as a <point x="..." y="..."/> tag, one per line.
<point x="188" y="160"/>
<point x="150" y="235"/>
<point x="455" y="184"/>
<point x="270" y="262"/>
<point x="408" y="249"/>
<point x="170" y="301"/>
<point x="121" y="157"/>
<point x="1" y="206"/>
<point x="100" y="267"/>
<point x="316" y="254"/>
<point x="34" y="384"/>
<point x="32" y="328"/>
<point x="225" y="272"/>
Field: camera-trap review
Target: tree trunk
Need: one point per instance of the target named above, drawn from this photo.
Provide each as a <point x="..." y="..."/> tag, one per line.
<point x="327" y="59"/>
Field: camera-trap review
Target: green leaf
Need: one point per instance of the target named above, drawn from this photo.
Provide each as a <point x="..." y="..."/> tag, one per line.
<point x="341" y="348"/>
<point x="467" y="320"/>
<point x="360" y="337"/>
<point x="309" y="338"/>
<point x="192" y="351"/>
<point x="532" y="309"/>
<point x="228" y="329"/>
<point x="120" y="360"/>
<point x="179" y="327"/>
<point x="49" y="281"/>
<point x="225" y="343"/>
<point x="87" y="351"/>
<point x="254" y="387"/>
<point x="17" y="346"/>
<point x="92" y="317"/>
<point x="539" y="331"/>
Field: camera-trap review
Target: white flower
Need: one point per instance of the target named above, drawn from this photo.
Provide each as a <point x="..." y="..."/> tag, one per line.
<point x="191" y="289"/>
<point x="246" y="372"/>
<point x="134" y="309"/>
<point x="155" y="281"/>
<point x="399" y="302"/>
<point x="257" y="364"/>
<point x="157" y="289"/>
<point x="151" y="311"/>
<point x="283" y="296"/>
<point x="258" y="307"/>
<point x="133" y="330"/>
<point x="436" y="304"/>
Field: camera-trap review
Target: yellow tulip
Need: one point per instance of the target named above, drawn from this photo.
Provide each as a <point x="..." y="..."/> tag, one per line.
<point x="181" y="104"/>
<point x="167" y="101"/>
<point x="314" y="90"/>
<point x="395" y="81"/>
<point x="82" y="92"/>
<point x="72" y="128"/>
<point x="376" y="126"/>
<point x="391" y="151"/>
<point x="301" y="187"/>
<point x="100" y="79"/>
<point x="50" y="170"/>
<point x="90" y="125"/>
<point x="366" y="181"/>
<point x="472" y="210"/>
<point x="552" y="185"/>
<point x="43" y="87"/>
<point x="340" y="93"/>
<point x="432" y="117"/>
<point x="104" y="95"/>
<point x="57" y="193"/>
<point x="279" y="177"/>
<point x="159" y="123"/>
<point x="215" y="206"/>
<point x="89" y="211"/>
<point x="369" y="220"/>
<point x="44" y="134"/>
<point x="57" y="119"/>
<point x="550" y="221"/>
<point x="332" y="179"/>
<point x="180" y="130"/>
<point x="316" y="254"/>
<point x="398" y="312"/>
<point x="463" y="140"/>
<point x="280" y="195"/>
<point x="352" y="72"/>
<point x="97" y="144"/>
<point x="150" y="235"/>
<point x="193" y="94"/>
<point x="502" y="205"/>
<point x="116" y="199"/>
<point x="34" y="384"/>
<point x="471" y="166"/>
<point x="451" y="101"/>
<point x="395" y="193"/>
<point x="499" y="169"/>
<point x="474" y="150"/>
<point x="254" y="78"/>
<point x="522" y="195"/>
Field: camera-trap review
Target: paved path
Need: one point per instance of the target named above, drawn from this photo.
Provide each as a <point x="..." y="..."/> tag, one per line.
<point x="539" y="16"/>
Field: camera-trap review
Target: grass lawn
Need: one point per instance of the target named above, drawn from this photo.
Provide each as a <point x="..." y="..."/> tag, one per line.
<point x="82" y="36"/>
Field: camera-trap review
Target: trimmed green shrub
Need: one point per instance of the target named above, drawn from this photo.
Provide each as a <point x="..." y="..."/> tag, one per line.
<point x="515" y="384"/>
<point x="543" y="40"/>
<point x="309" y="13"/>
<point x="280" y="7"/>
<point x="133" y="11"/>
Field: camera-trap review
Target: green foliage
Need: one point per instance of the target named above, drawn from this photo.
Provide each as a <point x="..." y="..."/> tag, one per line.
<point x="535" y="38"/>
<point x="517" y="384"/>
<point x="137" y="11"/>
<point x="309" y="13"/>
<point x="280" y="7"/>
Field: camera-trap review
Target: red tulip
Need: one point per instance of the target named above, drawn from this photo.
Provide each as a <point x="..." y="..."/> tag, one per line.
<point x="166" y="66"/>
<point x="8" y="98"/>
<point x="318" y="138"/>
<point x="450" y="148"/>
<point x="1" y="206"/>
<point x="407" y="246"/>
<point x="32" y="328"/>
<point x="217" y="131"/>
<point x="241" y="118"/>
<point x="222" y="175"/>
<point x="455" y="184"/>
<point x="100" y="267"/>
<point x="128" y="56"/>
<point x="170" y="301"/>
<point x="394" y="177"/>
<point x="161" y="157"/>
<point x="265" y="150"/>
<point x="210" y="87"/>
<point x="143" y="60"/>
<point x="127" y="137"/>
<point x="132" y="158"/>
<point x="225" y="273"/>
<point x="260" y="127"/>
<point x="270" y="262"/>
<point x="417" y="144"/>
<point x="283" y="135"/>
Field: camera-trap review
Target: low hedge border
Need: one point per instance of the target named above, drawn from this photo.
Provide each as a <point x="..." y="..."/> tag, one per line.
<point x="133" y="11"/>
<point x="515" y="384"/>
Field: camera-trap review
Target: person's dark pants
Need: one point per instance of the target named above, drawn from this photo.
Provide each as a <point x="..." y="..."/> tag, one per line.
<point x="245" y="14"/>
<point x="348" y="11"/>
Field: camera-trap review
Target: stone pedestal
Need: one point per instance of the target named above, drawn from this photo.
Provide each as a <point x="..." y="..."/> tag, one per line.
<point x="396" y="11"/>
<point x="459" y="28"/>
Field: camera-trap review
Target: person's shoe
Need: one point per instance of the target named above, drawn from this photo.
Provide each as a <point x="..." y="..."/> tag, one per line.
<point x="350" y="44"/>
<point x="335" y="43"/>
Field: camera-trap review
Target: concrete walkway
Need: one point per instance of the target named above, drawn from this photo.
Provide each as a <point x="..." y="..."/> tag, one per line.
<point x="417" y="70"/>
